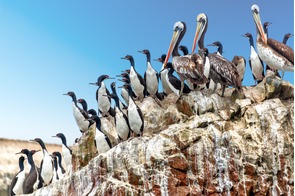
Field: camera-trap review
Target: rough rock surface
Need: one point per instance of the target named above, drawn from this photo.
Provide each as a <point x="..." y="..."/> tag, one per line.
<point x="203" y="144"/>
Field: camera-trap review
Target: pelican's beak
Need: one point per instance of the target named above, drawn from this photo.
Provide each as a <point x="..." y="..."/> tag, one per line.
<point x="256" y="17"/>
<point x="200" y="26"/>
<point x="174" y="39"/>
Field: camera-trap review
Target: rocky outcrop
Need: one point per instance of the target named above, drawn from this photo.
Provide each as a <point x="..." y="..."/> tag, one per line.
<point x="201" y="144"/>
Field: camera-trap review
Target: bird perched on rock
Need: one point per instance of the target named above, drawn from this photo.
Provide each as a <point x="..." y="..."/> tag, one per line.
<point x="102" y="142"/>
<point x="79" y="114"/>
<point x="16" y="186"/>
<point x="122" y="106"/>
<point x="46" y="167"/>
<point x="66" y="151"/>
<point x="33" y="180"/>
<point x="136" y="80"/>
<point x="256" y="64"/>
<point x="151" y="77"/>
<point x="134" y="114"/>
<point x="275" y="54"/>
<point x="104" y="102"/>
<point x="240" y="63"/>
<point x="59" y="170"/>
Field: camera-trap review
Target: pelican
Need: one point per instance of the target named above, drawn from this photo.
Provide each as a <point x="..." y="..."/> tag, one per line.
<point x="276" y="54"/>
<point x="222" y="70"/>
<point x="188" y="67"/>
<point x="265" y="28"/>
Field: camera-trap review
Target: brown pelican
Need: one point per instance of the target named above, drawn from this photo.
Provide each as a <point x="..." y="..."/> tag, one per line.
<point x="188" y="67"/>
<point x="265" y="28"/>
<point x="276" y="54"/>
<point x="256" y="64"/>
<point x="286" y="37"/>
<point x="222" y="71"/>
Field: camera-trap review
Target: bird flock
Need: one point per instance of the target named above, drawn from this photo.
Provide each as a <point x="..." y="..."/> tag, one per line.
<point x="196" y="71"/>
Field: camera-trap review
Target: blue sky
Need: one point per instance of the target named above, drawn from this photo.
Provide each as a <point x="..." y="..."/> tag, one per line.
<point x="48" y="48"/>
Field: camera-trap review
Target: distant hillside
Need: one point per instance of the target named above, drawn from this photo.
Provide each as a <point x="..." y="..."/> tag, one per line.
<point x="9" y="160"/>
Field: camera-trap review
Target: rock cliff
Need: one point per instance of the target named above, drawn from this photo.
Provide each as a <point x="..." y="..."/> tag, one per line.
<point x="202" y="144"/>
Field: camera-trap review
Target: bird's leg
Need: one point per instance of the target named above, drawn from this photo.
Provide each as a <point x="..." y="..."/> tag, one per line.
<point x="180" y="91"/>
<point x="215" y="87"/>
<point x="223" y="89"/>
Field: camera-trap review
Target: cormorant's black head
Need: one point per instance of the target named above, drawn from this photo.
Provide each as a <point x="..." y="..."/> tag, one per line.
<point x="60" y="135"/>
<point x="217" y="44"/>
<point x="102" y="78"/>
<point x="23" y="151"/>
<point x="183" y="49"/>
<point x="70" y="93"/>
<point x="145" y="51"/>
<point x="113" y="85"/>
<point x="81" y="101"/>
<point x="266" y="24"/>
<point x="92" y="112"/>
<point x="56" y="154"/>
<point x="127" y="57"/>
<point x="249" y="35"/>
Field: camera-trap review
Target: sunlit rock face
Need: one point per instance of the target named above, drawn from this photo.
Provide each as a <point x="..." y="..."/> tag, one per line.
<point x="202" y="144"/>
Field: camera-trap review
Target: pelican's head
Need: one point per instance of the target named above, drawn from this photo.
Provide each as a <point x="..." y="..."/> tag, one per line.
<point x="202" y="21"/>
<point x="256" y="17"/>
<point x="178" y="29"/>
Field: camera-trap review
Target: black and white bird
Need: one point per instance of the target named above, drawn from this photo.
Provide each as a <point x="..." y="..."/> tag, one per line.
<point x="151" y="76"/>
<point x="122" y="106"/>
<point x="46" y="167"/>
<point x="16" y="186"/>
<point x="101" y="140"/>
<point x="121" y="120"/>
<point x="275" y="54"/>
<point x="103" y="101"/>
<point x="163" y="76"/>
<point x="222" y="70"/>
<point x="136" y="80"/>
<point x="33" y="180"/>
<point x="79" y="114"/>
<point x="256" y="64"/>
<point x="124" y="92"/>
<point x="66" y="152"/>
<point x="173" y="82"/>
<point x="59" y="170"/>
<point x="134" y="114"/>
<point x="83" y="104"/>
